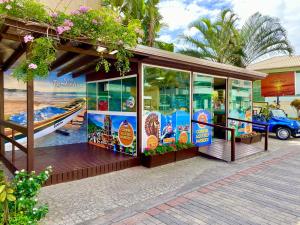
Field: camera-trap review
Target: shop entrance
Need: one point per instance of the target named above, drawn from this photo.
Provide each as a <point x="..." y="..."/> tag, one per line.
<point x="209" y="97"/>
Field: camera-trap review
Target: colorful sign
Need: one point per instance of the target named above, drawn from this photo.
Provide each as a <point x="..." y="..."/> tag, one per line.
<point x="202" y="134"/>
<point x="126" y="134"/>
<point x="114" y="132"/>
<point x="166" y="129"/>
<point x="278" y="84"/>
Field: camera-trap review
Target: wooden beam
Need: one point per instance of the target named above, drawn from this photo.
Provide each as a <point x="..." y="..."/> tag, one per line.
<point x="3" y="29"/>
<point x="84" y="71"/>
<point x="64" y="58"/>
<point x="20" y="50"/>
<point x="139" y="110"/>
<point x="30" y="126"/>
<point x="78" y="63"/>
<point x="2" y="146"/>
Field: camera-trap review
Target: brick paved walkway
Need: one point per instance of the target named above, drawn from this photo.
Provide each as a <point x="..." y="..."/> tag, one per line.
<point x="254" y="189"/>
<point x="266" y="193"/>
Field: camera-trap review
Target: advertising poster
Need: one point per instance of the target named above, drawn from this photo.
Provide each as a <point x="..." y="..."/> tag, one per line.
<point x="59" y="109"/>
<point x="280" y="84"/>
<point x="202" y="134"/>
<point x="240" y="127"/>
<point x="114" y="132"/>
<point x="166" y="129"/>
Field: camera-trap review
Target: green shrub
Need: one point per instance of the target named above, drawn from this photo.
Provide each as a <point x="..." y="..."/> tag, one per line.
<point x="19" y="205"/>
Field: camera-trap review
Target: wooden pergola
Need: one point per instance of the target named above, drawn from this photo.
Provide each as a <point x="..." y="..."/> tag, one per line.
<point x="80" y="57"/>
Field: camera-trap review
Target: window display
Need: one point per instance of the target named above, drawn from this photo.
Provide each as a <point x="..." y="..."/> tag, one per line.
<point x="106" y="126"/>
<point x="166" y="106"/>
<point x="240" y="105"/>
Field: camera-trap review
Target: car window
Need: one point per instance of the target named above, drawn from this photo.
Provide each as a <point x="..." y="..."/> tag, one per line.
<point x="278" y="113"/>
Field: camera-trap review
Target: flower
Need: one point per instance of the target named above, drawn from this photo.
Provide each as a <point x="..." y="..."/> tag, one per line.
<point x="32" y="66"/>
<point x="83" y="9"/>
<point x="68" y="23"/>
<point x="4" y="1"/>
<point x="30" y="178"/>
<point x="60" y="29"/>
<point x="17" y="172"/>
<point x="22" y="170"/>
<point x="47" y="172"/>
<point x="54" y="15"/>
<point x="9" y="7"/>
<point x="75" y="12"/>
<point x="28" y="38"/>
<point x="94" y="21"/>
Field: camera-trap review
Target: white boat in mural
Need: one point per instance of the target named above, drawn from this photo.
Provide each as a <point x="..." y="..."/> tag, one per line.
<point x="47" y="120"/>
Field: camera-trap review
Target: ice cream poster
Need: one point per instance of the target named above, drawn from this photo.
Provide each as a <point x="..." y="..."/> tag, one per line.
<point x="166" y="129"/>
<point x="202" y="134"/>
<point x="114" y="132"/>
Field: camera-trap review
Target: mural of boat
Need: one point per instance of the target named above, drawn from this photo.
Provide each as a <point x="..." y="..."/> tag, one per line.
<point x="47" y="120"/>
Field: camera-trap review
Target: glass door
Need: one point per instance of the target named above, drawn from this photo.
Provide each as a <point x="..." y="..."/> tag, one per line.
<point x="202" y="109"/>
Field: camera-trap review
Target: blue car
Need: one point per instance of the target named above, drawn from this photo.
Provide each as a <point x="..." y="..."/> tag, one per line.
<point x="279" y="124"/>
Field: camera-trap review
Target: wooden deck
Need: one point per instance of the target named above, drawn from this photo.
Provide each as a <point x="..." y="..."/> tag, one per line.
<point x="76" y="161"/>
<point x="221" y="149"/>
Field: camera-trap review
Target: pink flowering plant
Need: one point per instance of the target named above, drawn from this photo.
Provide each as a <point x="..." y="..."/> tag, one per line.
<point x="102" y="27"/>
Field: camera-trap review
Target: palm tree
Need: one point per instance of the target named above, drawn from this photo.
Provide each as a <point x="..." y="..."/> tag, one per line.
<point x="145" y="11"/>
<point x="223" y="42"/>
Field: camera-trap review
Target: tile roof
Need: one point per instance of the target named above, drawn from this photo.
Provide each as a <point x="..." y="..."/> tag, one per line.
<point x="279" y="62"/>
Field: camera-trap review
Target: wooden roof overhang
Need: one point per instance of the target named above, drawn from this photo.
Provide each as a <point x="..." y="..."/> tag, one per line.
<point x="80" y="56"/>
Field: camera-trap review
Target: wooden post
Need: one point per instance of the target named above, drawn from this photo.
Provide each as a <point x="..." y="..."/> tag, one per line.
<point x="139" y="109"/>
<point x="13" y="153"/>
<point x="266" y="137"/>
<point x="2" y="146"/>
<point x="232" y="145"/>
<point x="30" y="126"/>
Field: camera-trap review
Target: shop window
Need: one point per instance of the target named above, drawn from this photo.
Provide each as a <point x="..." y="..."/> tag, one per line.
<point x="115" y="95"/>
<point x="91" y="96"/>
<point x="166" y="106"/>
<point x="129" y="95"/>
<point x="240" y="105"/>
<point x="103" y="96"/>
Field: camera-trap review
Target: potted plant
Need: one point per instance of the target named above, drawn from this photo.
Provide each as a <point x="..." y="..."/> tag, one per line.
<point x="185" y="151"/>
<point x="163" y="154"/>
<point x="250" y="138"/>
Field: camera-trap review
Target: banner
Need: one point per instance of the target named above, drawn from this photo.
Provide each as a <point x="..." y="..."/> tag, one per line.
<point x="114" y="132"/>
<point x="279" y="84"/>
<point x="166" y="129"/>
<point x="202" y="134"/>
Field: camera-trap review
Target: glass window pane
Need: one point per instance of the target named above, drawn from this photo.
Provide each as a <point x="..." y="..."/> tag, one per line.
<point x="103" y="96"/>
<point x="91" y="96"/>
<point x="240" y="105"/>
<point x="115" y="95"/>
<point x="129" y="94"/>
<point x="166" y="106"/>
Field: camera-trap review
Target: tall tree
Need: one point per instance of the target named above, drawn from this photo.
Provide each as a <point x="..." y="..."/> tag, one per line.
<point x="145" y="11"/>
<point x="223" y="42"/>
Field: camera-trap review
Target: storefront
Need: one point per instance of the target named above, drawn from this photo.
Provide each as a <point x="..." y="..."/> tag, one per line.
<point x="96" y="122"/>
<point x="170" y="99"/>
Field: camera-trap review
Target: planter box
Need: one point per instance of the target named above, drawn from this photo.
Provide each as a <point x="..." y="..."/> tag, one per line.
<point x="249" y="140"/>
<point x="158" y="160"/>
<point x="186" y="153"/>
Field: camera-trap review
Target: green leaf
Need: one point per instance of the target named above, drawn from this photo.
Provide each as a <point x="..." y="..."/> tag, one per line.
<point x="3" y="196"/>
<point x="2" y="187"/>
<point x="10" y="190"/>
<point x="11" y="198"/>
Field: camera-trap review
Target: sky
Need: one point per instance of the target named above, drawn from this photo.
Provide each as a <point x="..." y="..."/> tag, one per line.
<point x="178" y="14"/>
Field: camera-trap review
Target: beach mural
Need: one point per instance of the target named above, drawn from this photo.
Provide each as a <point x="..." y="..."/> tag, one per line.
<point x="114" y="132"/>
<point x="59" y="109"/>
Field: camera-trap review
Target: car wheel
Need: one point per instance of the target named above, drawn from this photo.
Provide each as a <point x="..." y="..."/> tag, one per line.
<point x="283" y="133"/>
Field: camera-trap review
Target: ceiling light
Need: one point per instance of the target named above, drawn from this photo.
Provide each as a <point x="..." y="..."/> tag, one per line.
<point x="100" y="49"/>
<point x="113" y="52"/>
